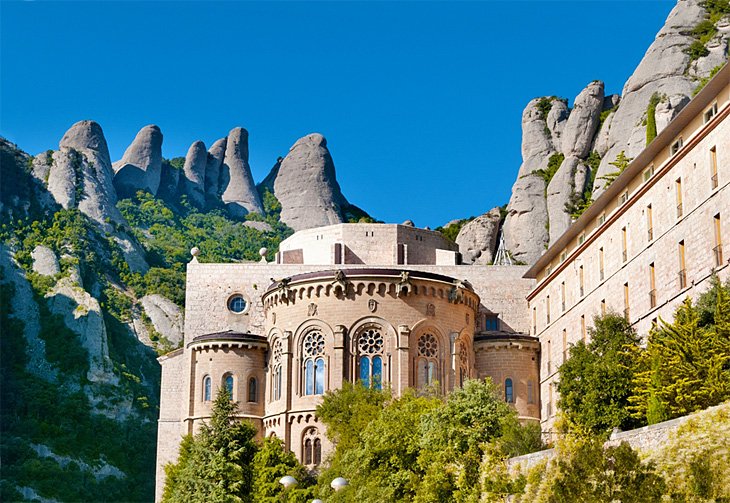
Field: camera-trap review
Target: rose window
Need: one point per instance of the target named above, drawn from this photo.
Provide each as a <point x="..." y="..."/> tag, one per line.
<point x="370" y="342"/>
<point x="313" y="344"/>
<point x="428" y="346"/>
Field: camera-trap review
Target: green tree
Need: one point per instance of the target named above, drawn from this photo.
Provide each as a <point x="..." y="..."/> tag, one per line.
<point x="271" y="462"/>
<point x="686" y="366"/>
<point x="216" y="465"/>
<point x="588" y="472"/>
<point x="453" y="438"/>
<point x="597" y="380"/>
<point x="620" y="163"/>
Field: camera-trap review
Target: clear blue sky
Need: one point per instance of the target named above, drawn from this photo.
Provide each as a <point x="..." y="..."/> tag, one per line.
<point x="420" y="101"/>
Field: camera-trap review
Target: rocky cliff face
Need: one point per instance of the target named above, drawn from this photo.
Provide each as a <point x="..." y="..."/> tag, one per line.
<point x="306" y="185"/>
<point x="238" y="190"/>
<point x="566" y="152"/>
<point x="141" y="165"/>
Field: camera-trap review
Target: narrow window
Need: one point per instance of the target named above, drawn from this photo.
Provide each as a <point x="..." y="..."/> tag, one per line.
<point x="550" y="400"/>
<point x="252" y="389"/>
<point x="565" y="345"/>
<point x="648" y="173"/>
<point x="678" y="185"/>
<point x="626" y="301"/>
<point x="682" y="270"/>
<point x="309" y="377"/>
<point x="549" y="357"/>
<point x="600" y="264"/>
<point x="624" y="197"/>
<point x="580" y="281"/>
<point x="378" y="372"/>
<point x="624" y="244"/>
<point x="319" y="367"/>
<point x="365" y="371"/>
<point x="491" y="322"/>
<point x="562" y="296"/>
<point x="206" y="388"/>
<point x="652" y="286"/>
<point x="534" y="321"/>
<point x="601" y="218"/>
<point x="713" y="168"/>
<point x="530" y="393"/>
<point x="427" y="363"/>
<point x="547" y="309"/>
<point x="718" y="241"/>
<point x="308" y="451"/>
<point x="317" y="457"/>
<point x="603" y="307"/>
<point x="509" y="396"/>
<point x="229" y="385"/>
<point x="583" y="333"/>
<point x="710" y="113"/>
<point x="649" y="224"/>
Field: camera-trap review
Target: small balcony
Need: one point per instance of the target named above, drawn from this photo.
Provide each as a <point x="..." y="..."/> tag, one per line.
<point x="652" y="298"/>
<point x="682" y="274"/>
<point x="718" y="255"/>
<point x="679" y="210"/>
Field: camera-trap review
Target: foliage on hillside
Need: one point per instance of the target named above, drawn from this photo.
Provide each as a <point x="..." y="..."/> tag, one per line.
<point x="452" y="230"/>
<point x="418" y="447"/>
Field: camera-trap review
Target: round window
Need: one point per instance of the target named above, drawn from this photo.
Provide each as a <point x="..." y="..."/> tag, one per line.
<point x="237" y="304"/>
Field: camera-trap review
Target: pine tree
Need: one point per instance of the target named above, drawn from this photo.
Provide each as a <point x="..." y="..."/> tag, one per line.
<point x="686" y="366"/>
<point x="216" y="465"/>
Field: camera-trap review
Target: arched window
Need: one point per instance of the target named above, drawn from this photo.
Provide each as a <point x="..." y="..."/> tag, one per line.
<point x="252" y="389"/>
<point x="509" y="395"/>
<point x="463" y="364"/>
<point x="530" y="393"/>
<point x="427" y="363"/>
<point x="314" y="364"/>
<point x="228" y="383"/>
<point x="370" y="357"/>
<point x="207" y="382"/>
<point x="276" y="370"/>
<point x="311" y="447"/>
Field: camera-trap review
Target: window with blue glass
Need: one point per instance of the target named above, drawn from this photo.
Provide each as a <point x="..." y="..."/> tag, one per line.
<point x="427" y="363"/>
<point x="207" y="388"/>
<point x="509" y="395"/>
<point x="370" y="357"/>
<point x="237" y="303"/>
<point x="228" y="382"/>
<point x="314" y="363"/>
<point x="491" y="322"/>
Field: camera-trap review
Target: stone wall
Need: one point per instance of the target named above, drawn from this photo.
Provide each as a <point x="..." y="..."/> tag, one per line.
<point x="646" y="439"/>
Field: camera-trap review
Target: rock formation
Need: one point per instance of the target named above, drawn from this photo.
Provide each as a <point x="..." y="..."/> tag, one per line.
<point x="194" y="172"/>
<point x="165" y="316"/>
<point x="238" y="190"/>
<point x="525" y="231"/>
<point x="477" y="239"/>
<point x="141" y="165"/>
<point x="216" y="155"/>
<point x="45" y="261"/>
<point x="306" y="185"/>
<point x="169" y="182"/>
<point x="667" y="70"/>
<point x="538" y="214"/>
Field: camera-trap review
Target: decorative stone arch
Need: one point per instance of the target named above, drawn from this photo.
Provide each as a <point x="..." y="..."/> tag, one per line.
<point x="320" y="357"/>
<point x="311" y="447"/>
<point x="371" y="360"/>
<point x="276" y="365"/>
<point x="430" y="354"/>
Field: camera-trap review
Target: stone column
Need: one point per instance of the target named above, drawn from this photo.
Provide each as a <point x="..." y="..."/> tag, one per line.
<point x="404" y="369"/>
<point x="337" y="371"/>
<point x="288" y="372"/>
<point x="454" y="363"/>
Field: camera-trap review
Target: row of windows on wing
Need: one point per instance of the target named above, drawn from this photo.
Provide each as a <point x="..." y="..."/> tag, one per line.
<point x="229" y="383"/>
<point x="370" y="347"/>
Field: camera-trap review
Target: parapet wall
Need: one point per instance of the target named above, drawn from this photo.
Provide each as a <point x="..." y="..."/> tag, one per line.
<point x="646" y="439"/>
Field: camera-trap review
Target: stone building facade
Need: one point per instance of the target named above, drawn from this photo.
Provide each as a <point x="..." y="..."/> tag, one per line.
<point x="388" y="305"/>
<point x="391" y="304"/>
<point x="654" y="237"/>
